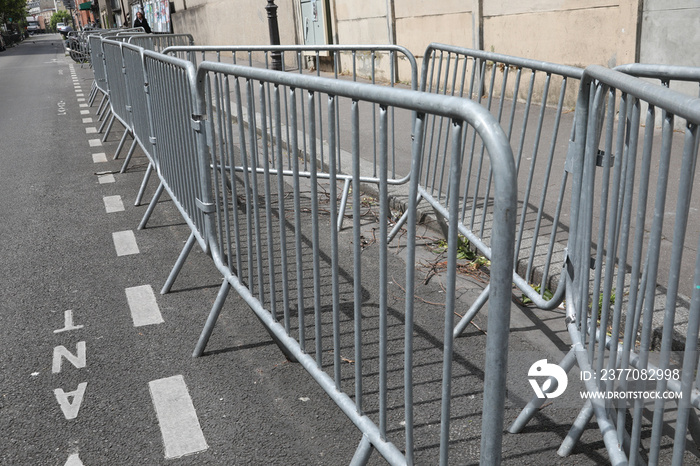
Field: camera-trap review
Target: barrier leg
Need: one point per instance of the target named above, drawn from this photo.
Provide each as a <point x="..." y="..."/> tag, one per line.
<point x="471" y="313"/>
<point x="576" y="430"/>
<point x="128" y="156"/>
<point x="93" y="94"/>
<point x="343" y="203"/>
<point x="400" y="223"/>
<point x="535" y="404"/>
<point x="363" y="452"/>
<point x="100" y="107"/>
<point x="151" y="206"/>
<point x="121" y="143"/>
<point x="211" y="320"/>
<point x="105" y="121"/>
<point x="178" y="264"/>
<point x="103" y="110"/>
<point x="142" y="189"/>
<point x="109" y="128"/>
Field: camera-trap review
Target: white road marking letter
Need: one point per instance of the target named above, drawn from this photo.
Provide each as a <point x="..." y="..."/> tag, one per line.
<point x="74" y="460"/>
<point x="68" y="323"/>
<point x="61" y="352"/>
<point x="70" y="409"/>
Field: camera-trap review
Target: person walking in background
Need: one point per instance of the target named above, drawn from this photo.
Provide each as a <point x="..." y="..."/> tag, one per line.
<point x="140" y="21"/>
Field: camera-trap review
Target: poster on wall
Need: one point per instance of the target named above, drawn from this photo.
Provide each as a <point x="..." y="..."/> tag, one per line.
<point x="156" y="12"/>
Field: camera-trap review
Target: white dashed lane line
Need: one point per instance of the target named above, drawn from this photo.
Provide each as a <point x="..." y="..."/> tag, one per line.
<point x="95" y="142"/>
<point x="179" y="425"/>
<point x="103" y="179"/>
<point x="113" y="204"/>
<point x="143" y="306"/>
<point x="125" y="243"/>
<point x="99" y="157"/>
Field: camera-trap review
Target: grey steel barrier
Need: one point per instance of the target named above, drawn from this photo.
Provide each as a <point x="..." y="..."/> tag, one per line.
<point x="507" y="86"/>
<point x="121" y="108"/>
<point x="139" y="108"/>
<point x="77" y="45"/>
<point x="159" y="42"/>
<point x="97" y="62"/>
<point x="174" y="154"/>
<point x="98" y="69"/>
<point x="378" y="64"/>
<point x="644" y="179"/>
<point x="119" y="102"/>
<point x="274" y="262"/>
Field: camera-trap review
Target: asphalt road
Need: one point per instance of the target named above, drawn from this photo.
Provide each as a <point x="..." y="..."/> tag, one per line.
<point x="59" y="256"/>
<point x="81" y="383"/>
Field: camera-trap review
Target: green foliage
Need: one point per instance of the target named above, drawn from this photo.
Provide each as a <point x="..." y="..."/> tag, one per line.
<point x="62" y="16"/>
<point x="546" y="295"/>
<point x="464" y="252"/>
<point x="15" y="9"/>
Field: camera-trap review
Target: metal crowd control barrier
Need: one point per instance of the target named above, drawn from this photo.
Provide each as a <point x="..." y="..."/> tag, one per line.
<point x="77" y="46"/>
<point x="506" y="86"/>
<point x="93" y="39"/>
<point x="273" y="240"/>
<point x="632" y="217"/>
<point x="378" y="64"/>
<point x="120" y="105"/>
<point x="174" y="152"/>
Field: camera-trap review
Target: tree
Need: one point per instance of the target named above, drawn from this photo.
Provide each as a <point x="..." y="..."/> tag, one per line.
<point x="12" y="9"/>
<point x="62" y="16"/>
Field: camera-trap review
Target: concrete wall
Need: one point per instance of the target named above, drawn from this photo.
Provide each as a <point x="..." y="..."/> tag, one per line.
<point x="670" y="32"/>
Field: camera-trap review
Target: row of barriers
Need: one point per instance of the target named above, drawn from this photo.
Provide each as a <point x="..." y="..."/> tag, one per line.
<point x="254" y="158"/>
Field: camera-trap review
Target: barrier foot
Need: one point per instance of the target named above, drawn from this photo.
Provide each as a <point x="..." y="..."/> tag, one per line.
<point x="142" y="189"/>
<point x="471" y="313"/>
<point x="343" y="203"/>
<point x="120" y="146"/>
<point x="109" y="128"/>
<point x="363" y="452"/>
<point x="535" y="404"/>
<point x="178" y="264"/>
<point x="128" y="156"/>
<point x="151" y="206"/>
<point x="211" y="320"/>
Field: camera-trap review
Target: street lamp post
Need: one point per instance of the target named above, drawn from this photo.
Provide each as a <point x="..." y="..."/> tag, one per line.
<point x="274" y="33"/>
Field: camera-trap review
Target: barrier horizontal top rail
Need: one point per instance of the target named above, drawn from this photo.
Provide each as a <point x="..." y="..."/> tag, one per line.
<point x="662" y="72"/>
<point x="265" y="257"/>
<point x="160" y="42"/>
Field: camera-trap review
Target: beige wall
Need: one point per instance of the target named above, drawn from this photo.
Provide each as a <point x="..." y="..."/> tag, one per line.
<point x="233" y="22"/>
<point x="571" y="32"/>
